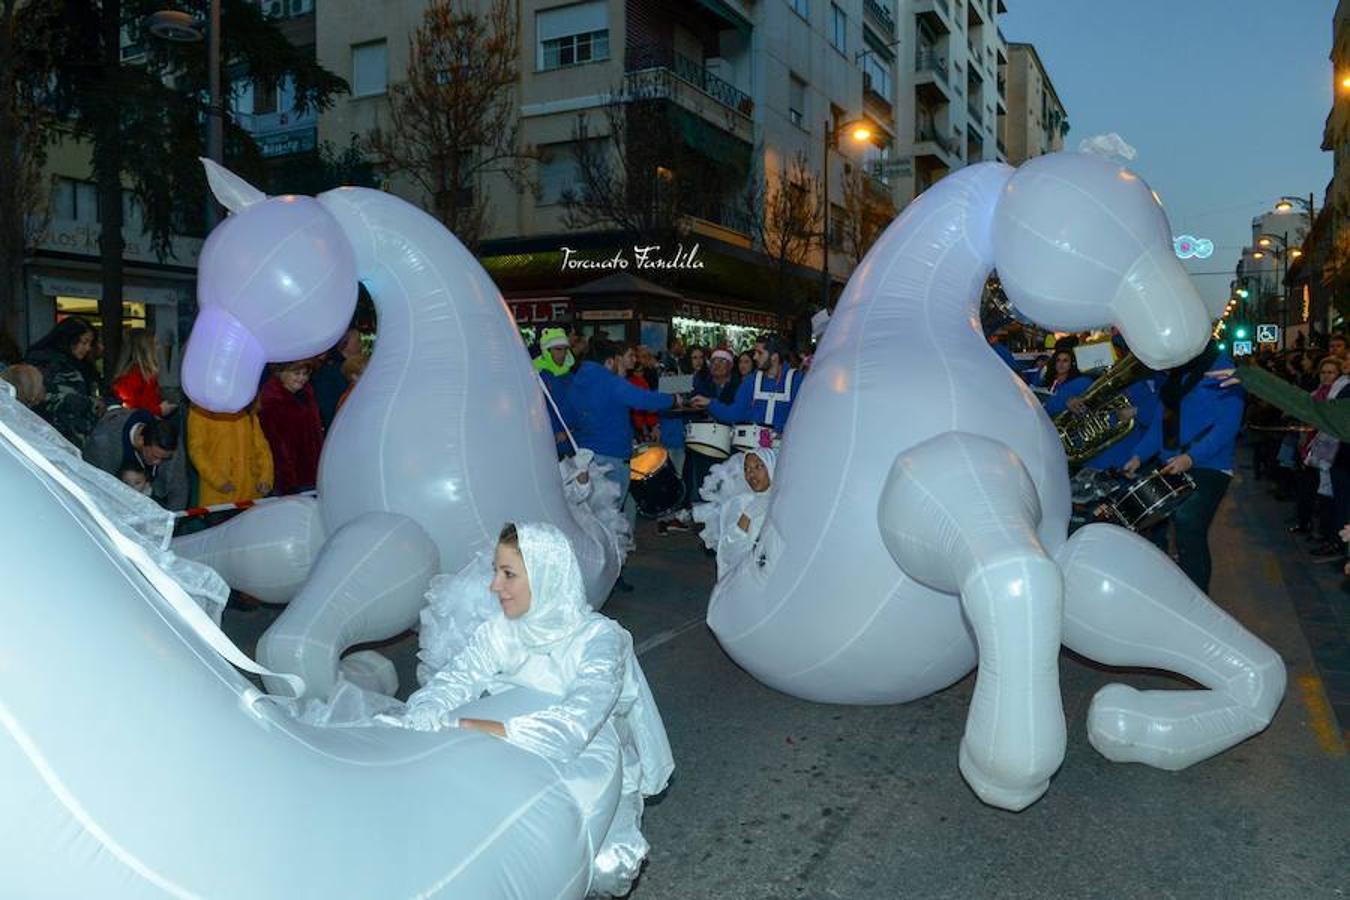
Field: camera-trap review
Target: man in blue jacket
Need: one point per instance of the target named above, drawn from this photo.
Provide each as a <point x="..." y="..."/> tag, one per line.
<point x="1196" y="433"/>
<point x="601" y="399"/>
<point x="767" y="397"/>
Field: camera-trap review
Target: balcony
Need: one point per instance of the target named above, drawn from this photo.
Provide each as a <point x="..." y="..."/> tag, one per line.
<point x="881" y="14"/>
<point x="282" y="133"/>
<point x="875" y="104"/>
<point x="930" y="77"/>
<point x="974" y="111"/>
<point x="692" y="87"/>
<point x="975" y="13"/>
<point x="928" y="141"/>
<point x="936" y="14"/>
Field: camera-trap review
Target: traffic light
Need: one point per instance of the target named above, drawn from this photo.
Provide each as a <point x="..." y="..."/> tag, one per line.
<point x="1242" y="292"/>
<point x="1241" y="332"/>
<point x="1222" y="345"/>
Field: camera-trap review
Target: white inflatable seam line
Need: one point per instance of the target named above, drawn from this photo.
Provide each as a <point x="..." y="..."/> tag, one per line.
<point x="173" y="593"/>
<point x="487" y="842"/>
<point x="283" y="311"/>
<point x="894" y="260"/>
<point x="80" y="814"/>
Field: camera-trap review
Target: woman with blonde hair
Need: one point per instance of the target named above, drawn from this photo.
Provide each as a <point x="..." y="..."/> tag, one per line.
<point x="136" y="382"/>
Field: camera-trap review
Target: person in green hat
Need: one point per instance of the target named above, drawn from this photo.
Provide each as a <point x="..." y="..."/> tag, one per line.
<point x="555" y="354"/>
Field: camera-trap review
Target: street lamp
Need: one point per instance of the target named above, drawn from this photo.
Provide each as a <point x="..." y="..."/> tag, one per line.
<point x="859" y="130"/>
<point x="1283" y="253"/>
<point x="179" y="27"/>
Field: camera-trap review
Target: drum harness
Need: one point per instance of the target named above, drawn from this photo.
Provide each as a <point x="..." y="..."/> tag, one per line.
<point x="773" y="398"/>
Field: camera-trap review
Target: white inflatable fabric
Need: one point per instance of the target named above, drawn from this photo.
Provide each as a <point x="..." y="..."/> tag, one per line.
<point x="137" y="517"/>
<point x="849" y="600"/>
<point x="585" y="660"/>
<point x="161" y="771"/>
<point x="729" y="497"/>
<point x="447" y="427"/>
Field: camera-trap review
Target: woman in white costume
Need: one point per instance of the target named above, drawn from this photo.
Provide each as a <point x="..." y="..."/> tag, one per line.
<point x="549" y="639"/>
<point x="738" y="493"/>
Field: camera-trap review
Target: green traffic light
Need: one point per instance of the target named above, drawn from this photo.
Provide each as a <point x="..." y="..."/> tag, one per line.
<point x="1240" y="333"/>
<point x="1222" y="345"/>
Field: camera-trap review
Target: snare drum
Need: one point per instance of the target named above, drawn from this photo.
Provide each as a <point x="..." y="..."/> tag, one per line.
<point x="753" y="437"/>
<point x="708" y="438"/>
<point x="1151" y="500"/>
<point x="656" y="486"/>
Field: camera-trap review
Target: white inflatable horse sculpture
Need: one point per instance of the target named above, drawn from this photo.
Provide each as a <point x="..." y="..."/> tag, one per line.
<point x="444" y="439"/>
<point x="848" y="600"/>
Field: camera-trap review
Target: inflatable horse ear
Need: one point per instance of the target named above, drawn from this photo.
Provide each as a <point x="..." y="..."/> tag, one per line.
<point x="231" y="191"/>
<point x="276" y="282"/>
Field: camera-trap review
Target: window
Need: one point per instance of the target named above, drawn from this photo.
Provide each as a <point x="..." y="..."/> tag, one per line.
<point x="838" y="219"/>
<point x="559" y="171"/>
<point x="801" y="8"/>
<point x="876" y="76"/>
<point x="370" y="68"/>
<point x="797" y="101"/>
<point x="75" y="201"/>
<point x="572" y="35"/>
<point x="264" y="100"/>
<point x="838" y="28"/>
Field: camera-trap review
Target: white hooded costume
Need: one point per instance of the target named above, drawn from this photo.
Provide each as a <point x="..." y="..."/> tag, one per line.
<point x="729" y="497"/>
<point x="605" y="714"/>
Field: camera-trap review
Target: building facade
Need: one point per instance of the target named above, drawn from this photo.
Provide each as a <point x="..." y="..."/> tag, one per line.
<point x="1037" y="122"/>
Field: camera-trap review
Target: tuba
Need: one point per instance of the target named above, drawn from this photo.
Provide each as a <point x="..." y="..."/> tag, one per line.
<point x="1086" y="435"/>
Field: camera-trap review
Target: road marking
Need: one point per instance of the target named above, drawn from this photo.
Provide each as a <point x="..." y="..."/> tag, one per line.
<point x="664" y="637"/>
<point x="1320" y="716"/>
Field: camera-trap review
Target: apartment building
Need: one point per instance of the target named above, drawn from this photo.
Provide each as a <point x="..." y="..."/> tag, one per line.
<point x="954" y="87"/>
<point x="744" y="85"/>
<point x="1037" y="122"/>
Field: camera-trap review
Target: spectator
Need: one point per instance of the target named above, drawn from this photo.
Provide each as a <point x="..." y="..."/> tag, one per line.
<point x="352" y="370"/>
<point x="328" y="381"/>
<point x="135" y="438"/>
<point x="745" y="365"/>
<point x="645" y="423"/>
<point x="555" y="354"/>
<point x="231" y="455"/>
<point x="64" y="356"/>
<point x="290" y="418"/>
<point x="133" y="476"/>
<point x="1336" y="345"/>
<point x="136" y="382"/>
<point x="27" y="383"/>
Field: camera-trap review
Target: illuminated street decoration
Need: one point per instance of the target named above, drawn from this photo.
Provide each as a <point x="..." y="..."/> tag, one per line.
<point x="1188" y="246"/>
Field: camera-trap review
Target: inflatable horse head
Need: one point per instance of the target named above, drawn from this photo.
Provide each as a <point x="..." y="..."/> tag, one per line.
<point x="1081" y="242"/>
<point x="276" y="282"/>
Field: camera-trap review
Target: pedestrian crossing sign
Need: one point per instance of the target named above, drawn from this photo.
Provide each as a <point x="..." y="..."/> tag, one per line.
<point x="1267" y="334"/>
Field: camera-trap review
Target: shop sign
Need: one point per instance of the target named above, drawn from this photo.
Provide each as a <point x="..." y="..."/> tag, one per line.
<point x="605" y="315"/>
<point x="726" y="315"/>
<point x="540" y="312"/>
<point x="67" y="236"/>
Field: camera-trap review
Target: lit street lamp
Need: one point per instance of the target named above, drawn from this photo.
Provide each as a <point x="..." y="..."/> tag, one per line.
<point x="1283" y="253"/>
<point x="859" y="130"/>
<point x="179" y="27"/>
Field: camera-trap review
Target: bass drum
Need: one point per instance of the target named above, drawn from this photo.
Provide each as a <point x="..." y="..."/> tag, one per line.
<point x="1151" y="500"/>
<point x="711" y="439"/>
<point x="656" y="486"/>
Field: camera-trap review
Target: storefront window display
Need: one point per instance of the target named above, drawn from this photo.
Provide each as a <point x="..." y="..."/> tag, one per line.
<point x="714" y="334"/>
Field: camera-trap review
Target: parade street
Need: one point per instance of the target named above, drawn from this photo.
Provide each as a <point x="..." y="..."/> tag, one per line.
<point x="775" y="797"/>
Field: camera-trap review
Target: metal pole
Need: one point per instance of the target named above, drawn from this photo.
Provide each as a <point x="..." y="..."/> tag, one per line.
<point x="825" y="232"/>
<point x="1284" y="292"/>
<point x="215" y="123"/>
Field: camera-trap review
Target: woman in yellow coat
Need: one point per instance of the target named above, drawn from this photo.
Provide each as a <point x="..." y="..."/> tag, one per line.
<point x="230" y="453"/>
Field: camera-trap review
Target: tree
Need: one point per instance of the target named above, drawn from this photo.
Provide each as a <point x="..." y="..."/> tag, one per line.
<point x="325" y="169"/>
<point x="25" y="70"/>
<point x="640" y="176"/>
<point x="785" y="210"/>
<point x="453" y="120"/>
<point x="145" y="121"/>
<point x="868" y="209"/>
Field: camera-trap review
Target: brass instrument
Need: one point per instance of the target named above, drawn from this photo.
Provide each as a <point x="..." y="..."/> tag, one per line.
<point x="1089" y="433"/>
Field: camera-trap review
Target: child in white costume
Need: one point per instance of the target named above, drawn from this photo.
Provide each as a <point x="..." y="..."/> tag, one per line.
<point x="737" y="492"/>
<point x="548" y="638"/>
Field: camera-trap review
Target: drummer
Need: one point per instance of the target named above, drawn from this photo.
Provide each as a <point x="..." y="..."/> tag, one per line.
<point x="601" y="400"/>
<point x="716" y="381"/>
<point x="1196" y="434"/>
<point x="766" y="398"/>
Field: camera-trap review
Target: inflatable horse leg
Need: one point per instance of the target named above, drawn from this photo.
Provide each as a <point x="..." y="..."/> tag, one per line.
<point x="959" y="513"/>
<point x="266" y="551"/>
<point x="1128" y="604"/>
<point x="368" y="584"/>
